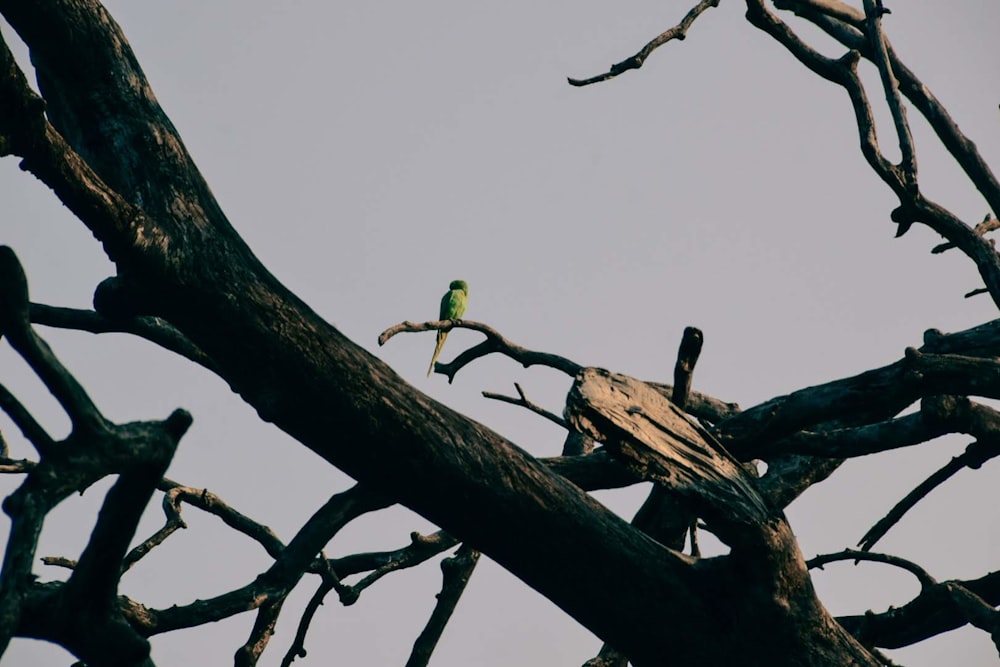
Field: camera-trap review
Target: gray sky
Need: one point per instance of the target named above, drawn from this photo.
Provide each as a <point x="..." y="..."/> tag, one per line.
<point x="371" y="152"/>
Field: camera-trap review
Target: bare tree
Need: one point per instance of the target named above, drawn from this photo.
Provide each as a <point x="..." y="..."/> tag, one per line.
<point x="185" y="280"/>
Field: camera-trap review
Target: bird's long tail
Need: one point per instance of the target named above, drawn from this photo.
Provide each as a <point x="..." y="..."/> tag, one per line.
<point x="437" y="350"/>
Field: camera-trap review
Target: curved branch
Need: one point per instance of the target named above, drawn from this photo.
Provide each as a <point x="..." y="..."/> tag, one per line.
<point x="925" y="579"/>
<point x="494" y="343"/>
<point x="678" y="32"/>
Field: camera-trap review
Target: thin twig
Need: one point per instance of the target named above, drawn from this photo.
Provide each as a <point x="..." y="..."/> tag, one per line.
<point x="298" y="646"/>
<point x="925" y="579"/>
<point x="974" y="456"/>
<point x="421" y="548"/>
<point x="523" y="402"/>
<point x="678" y="32"/>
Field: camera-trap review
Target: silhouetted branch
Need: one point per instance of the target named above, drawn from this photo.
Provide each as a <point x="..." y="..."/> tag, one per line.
<point x="153" y="329"/>
<point x="523" y="402"/>
<point x="914" y="207"/>
<point x="249" y="653"/>
<point x="678" y="32"/>
<point x="974" y="456"/>
<point x="421" y="548"/>
<point x="207" y="501"/>
<point x="15" y="325"/>
<point x="925" y="579"/>
<point x="297" y="649"/>
<point x="30" y="428"/>
<point x="868" y="397"/>
<point x="456" y="572"/>
<point x="932" y="612"/>
<point x="494" y="343"/>
<point x="988" y="224"/>
<point x="938" y="416"/>
<point x="976" y="610"/>
<point x="873" y="21"/>
<point x="14" y="466"/>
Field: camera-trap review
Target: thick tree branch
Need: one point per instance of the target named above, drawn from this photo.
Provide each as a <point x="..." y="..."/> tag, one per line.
<point x="930" y="613"/>
<point x="873" y="24"/>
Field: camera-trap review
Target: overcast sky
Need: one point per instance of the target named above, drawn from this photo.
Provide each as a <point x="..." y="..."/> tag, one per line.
<point x="371" y="152"/>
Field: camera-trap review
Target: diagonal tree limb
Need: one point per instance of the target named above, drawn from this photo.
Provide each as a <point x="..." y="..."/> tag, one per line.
<point x="152" y="329"/>
<point x="974" y="456"/>
<point x="249" y="653"/>
<point x="523" y="401"/>
<point x="978" y="612"/>
<point x="34" y="432"/>
<point x="678" y="32"/>
<point x="456" y="572"/>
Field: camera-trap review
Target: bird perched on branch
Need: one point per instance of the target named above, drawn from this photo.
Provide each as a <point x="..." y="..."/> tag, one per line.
<point x="453" y="305"/>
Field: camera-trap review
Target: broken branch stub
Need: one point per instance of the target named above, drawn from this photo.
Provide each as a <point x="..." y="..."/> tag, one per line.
<point x="657" y="441"/>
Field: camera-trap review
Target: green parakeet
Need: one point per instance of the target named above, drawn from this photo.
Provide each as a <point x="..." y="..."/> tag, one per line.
<point x="453" y="305"/>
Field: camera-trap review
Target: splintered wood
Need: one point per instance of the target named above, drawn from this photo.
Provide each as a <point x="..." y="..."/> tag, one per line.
<point x="656" y="440"/>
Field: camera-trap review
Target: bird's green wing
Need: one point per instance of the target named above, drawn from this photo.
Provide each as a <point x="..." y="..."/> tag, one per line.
<point x="453" y="305"/>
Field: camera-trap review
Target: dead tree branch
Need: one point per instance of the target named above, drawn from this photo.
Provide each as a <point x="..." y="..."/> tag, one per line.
<point x="456" y="572"/>
<point x="925" y="579"/>
<point x="494" y="343"/>
<point x="678" y="32"/>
